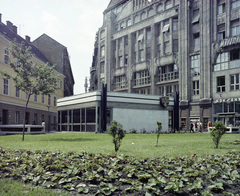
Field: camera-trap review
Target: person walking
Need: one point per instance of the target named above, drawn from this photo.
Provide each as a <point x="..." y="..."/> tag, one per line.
<point x="191" y="127"/>
<point x="200" y="127"/>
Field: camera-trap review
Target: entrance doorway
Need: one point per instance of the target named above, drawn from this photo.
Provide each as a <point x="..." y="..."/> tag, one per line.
<point x="5" y="117"/>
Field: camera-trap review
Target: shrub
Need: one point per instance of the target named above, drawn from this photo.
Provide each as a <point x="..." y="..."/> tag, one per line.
<point x="217" y="132"/>
<point x="158" y="131"/>
<point x="117" y="132"/>
<point x="143" y="130"/>
<point x="133" y="130"/>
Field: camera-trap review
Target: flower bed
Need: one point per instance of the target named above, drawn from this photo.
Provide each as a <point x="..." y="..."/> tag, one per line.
<point x="99" y="174"/>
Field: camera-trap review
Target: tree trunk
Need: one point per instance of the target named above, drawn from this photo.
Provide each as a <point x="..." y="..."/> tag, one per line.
<point x="24" y="121"/>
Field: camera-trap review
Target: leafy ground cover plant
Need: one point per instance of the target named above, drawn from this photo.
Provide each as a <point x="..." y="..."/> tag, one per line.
<point x="217" y="132"/>
<point x="117" y="132"/>
<point x="99" y="174"/>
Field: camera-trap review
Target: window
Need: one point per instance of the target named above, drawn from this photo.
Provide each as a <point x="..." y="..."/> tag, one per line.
<point x="136" y="19"/>
<point x="175" y="24"/>
<point x="141" y="78"/>
<point x="61" y="84"/>
<point x="166" y="47"/>
<point x="126" y="59"/>
<point x="222" y="62"/>
<point x="102" y="34"/>
<point x="35" y="98"/>
<point x="158" y="50"/>
<point x="120" y="61"/>
<point x="221" y="32"/>
<point x="235" y="3"/>
<point x="221" y="7"/>
<point x="49" y="99"/>
<point x="35" y="119"/>
<point x="17" y="117"/>
<point x="102" y="51"/>
<point x="160" y="7"/>
<point x="129" y="22"/>
<point x="161" y="90"/>
<point x="158" y="29"/>
<point x="144" y="91"/>
<point x="235" y="58"/>
<point x="167" y="72"/>
<point x="169" y="90"/>
<point x="122" y="25"/>
<point x="175" y="45"/>
<point x="196" y="42"/>
<point x="195" y="87"/>
<point x="120" y="82"/>
<point x="55" y="101"/>
<point x="234" y="81"/>
<point x="165" y="26"/>
<point x="102" y="67"/>
<point x="148" y="51"/>
<point x="168" y="4"/>
<point x="195" y="65"/>
<point x="141" y="55"/>
<point x="6" y="56"/>
<point x="5" y="86"/>
<point x="235" y="30"/>
<point x="17" y="92"/>
<point x="120" y="43"/>
<point x="148" y="33"/>
<point x="126" y="41"/>
<point x="42" y="98"/>
<point x="195" y="16"/>
<point x="221" y="84"/>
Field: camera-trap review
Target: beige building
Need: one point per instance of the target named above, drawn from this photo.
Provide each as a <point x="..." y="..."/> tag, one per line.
<point x="159" y="47"/>
<point x="12" y="101"/>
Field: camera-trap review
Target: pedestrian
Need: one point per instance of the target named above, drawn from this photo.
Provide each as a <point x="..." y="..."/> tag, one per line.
<point x="200" y="127"/>
<point x="191" y="127"/>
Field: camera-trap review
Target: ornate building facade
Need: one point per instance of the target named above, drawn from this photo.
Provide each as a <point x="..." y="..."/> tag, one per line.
<point x="162" y="46"/>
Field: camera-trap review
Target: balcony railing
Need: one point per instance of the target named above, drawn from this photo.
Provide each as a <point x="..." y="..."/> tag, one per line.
<point x="168" y="76"/>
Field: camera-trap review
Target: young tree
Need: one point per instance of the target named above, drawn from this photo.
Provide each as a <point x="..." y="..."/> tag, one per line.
<point x="30" y="77"/>
<point x="158" y="131"/>
<point x="117" y="133"/>
<point x="217" y="132"/>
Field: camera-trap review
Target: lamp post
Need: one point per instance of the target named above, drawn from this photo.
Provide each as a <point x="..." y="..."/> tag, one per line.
<point x="48" y="106"/>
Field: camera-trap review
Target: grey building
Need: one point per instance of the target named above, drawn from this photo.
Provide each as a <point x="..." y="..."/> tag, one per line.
<point x="158" y="47"/>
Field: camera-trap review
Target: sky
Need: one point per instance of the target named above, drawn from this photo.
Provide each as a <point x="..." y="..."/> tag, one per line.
<point x="72" y="23"/>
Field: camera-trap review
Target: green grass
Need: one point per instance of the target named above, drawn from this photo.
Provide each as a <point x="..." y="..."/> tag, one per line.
<point x="10" y="187"/>
<point x="137" y="145"/>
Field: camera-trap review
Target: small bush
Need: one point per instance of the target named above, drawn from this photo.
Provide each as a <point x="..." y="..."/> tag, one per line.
<point x="217" y="132"/>
<point x="117" y="132"/>
<point x="143" y="130"/>
<point x="133" y="130"/>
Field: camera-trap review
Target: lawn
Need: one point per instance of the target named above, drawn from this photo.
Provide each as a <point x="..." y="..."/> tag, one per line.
<point x="182" y="164"/>
<point x="136" y="145"/>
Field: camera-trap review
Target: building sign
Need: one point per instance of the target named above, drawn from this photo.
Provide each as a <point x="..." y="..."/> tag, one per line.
<point x="229" y="41"/>
<point x="227" y="100"/>
<point x="164" y="101"/>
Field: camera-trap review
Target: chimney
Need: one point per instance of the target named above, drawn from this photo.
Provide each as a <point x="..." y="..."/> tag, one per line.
<point x="9" y="25"/>
<point x="14" y="29"/>
<point x="0" y="17"/>
<point x="27" y="38"/>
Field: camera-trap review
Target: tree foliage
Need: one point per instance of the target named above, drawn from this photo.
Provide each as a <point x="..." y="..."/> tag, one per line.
<point x="217" y="132"/>
<point x="30" y="77"/>
<point x="158" y="131"/>
<point x="117" y="132"/>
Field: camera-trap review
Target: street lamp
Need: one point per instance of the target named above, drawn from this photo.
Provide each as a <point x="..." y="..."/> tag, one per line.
<point x="48" y="106"/>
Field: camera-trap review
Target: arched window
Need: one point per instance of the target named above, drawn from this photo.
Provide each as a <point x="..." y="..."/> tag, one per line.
<point x="122" y="25"/>
<point x="129" y="22"/>
<point x="136" y="19"/>
<point x="143" y="16"/>
<point x="160" y="7"/>
<point x="150" y="12"/>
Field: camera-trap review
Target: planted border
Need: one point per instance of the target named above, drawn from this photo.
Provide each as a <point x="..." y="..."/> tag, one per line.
<point x="99" y="174"/>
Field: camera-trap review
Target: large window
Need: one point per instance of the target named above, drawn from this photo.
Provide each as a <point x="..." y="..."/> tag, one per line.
<point x="222" y="62"/>
<point x="195" y="87"/>
<point x="102" y="51"/>
<point x="43" y="97"/>
<point x="141" y="55"/>
<point x="129" y="22"/>
<point x="49" y="99"/>
<point x="195" y="65"/>
<point x="6" y="56"/>
<point x="175" y="24"/>
<point x="141" y="78"/>
<point x="168" y="72"/>
<point x="120" y="61"/>
<point x="35" y="97"/>
<point x="196" y="42"/>
<point x="17" y="117"/>
<point x="235" y="58"/>
<point x="234" y="82"/>
<point x="221" y="84"/>
<point x="221" y="6"/>
<point x="102" y="67"/>
<point x="17" y="92"/>
<point x="120" y="82"/>
<point x="235" y="3"/>
<point x="5" y="86"/>
<point x="167" y="47"/>
<point x="148" y="33"/>
<point x="235" y="27"/>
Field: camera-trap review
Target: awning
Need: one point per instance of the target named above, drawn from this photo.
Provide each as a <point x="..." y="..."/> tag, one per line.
<point x="140" y="37"/>
<point x="196" y="19"/>
<point x="166" y="28"/>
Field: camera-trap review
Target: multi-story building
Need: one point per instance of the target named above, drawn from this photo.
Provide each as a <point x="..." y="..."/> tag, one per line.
<point x="161" y="46"/>
<point x="12" y="100"/>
